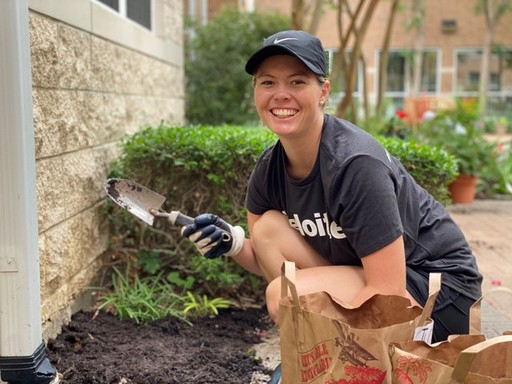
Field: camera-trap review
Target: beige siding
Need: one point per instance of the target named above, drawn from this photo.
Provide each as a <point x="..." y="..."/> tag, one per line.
<point x="89" y="90"/>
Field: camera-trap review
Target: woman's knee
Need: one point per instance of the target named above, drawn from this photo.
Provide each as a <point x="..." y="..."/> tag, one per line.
<point x="272" y="297"/>
<point x="270" y="224"/>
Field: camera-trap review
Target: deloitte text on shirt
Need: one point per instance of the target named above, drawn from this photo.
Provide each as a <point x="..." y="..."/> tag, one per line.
<point x="319" y="227"/>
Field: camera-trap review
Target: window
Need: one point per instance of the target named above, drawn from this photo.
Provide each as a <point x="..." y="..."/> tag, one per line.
<point x="499" y="88"/>
<point x="400" y="75"/>
<point x="468" y="71"/>
<point x="138" y="11"/>
<point x="400" y="72"/>
<point x="110" y="19"/>
<point x="397" y="68"/>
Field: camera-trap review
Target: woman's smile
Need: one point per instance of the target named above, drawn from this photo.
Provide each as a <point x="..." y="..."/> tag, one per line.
<point x="283" y="112"/>
<point x="288" y="96"/>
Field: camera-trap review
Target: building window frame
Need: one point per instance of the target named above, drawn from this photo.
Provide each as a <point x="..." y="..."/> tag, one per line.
<point x="499" y="92"/>
<point x="398" y="95"/>
<point x="127" y="9"/>
<point x="100" y="20"/>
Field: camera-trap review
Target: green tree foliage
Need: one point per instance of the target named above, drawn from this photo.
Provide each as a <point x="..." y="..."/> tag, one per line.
<point x="218" y="89"/>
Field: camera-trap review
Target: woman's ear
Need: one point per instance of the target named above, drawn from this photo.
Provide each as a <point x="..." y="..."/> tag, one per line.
<point x="326" y="86"/>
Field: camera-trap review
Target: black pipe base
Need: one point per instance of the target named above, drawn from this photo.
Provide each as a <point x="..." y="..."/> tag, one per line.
<point x="35" y="369"/>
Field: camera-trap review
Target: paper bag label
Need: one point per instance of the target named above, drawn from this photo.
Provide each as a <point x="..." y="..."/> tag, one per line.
<point x="424" y="333"/>
<point x="315" y="362"/>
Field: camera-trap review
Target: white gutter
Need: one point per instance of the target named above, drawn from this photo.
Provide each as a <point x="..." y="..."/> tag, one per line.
<point x="22" y="351"/>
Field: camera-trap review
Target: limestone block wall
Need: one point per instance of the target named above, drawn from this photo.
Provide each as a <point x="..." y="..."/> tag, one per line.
<point x="88" y="92"/>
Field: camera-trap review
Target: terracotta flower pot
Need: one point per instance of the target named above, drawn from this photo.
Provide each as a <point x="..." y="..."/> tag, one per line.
<point x="463" y="189"/>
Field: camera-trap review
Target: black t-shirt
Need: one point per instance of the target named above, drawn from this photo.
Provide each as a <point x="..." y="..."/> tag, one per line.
<point x="358" y="199"/>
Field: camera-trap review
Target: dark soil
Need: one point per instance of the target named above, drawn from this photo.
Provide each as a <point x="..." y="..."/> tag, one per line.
<point x="102" y="349"/>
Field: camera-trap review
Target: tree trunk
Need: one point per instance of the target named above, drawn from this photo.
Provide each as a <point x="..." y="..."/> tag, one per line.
<point x="298" y="14"/>
<point x="366" y="103"/>
<point x="483" y="85"/>
<point x="316" y="16"/>
<point x="418" y="47"/>
<point x="358" y="38"/>
<point x="484" y="73"/>
<point x="383" y="61"/>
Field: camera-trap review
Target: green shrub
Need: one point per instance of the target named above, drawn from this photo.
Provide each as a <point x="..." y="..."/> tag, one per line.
<point x="206" y="169"/>
<point x="218" y="89"/>
<point x="432" y="168"/>
<point x="198" y="169"/>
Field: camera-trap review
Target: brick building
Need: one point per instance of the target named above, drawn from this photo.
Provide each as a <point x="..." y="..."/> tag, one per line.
<point x="453" y="41"/>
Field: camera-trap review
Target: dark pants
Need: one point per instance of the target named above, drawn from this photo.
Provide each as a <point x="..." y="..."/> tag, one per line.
<point x="451" y="310"/>
<point x="453" y="319"/>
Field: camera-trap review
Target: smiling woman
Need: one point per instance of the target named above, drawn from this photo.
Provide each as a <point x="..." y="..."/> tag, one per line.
<point x="330" y="198"/>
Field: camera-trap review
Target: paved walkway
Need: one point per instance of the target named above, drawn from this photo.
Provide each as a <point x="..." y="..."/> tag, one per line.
<point x="487" y="224"/>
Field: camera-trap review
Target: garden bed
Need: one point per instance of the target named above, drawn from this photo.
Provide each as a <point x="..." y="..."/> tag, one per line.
<point x="101" y="349"/>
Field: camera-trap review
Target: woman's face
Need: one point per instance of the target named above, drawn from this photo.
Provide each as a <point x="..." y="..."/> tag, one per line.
<point x="288" y="96"/>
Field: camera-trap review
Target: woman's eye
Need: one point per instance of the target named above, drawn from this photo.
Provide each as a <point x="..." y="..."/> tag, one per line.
<point x="298" y="82"/>
<point x="266" y="82"/>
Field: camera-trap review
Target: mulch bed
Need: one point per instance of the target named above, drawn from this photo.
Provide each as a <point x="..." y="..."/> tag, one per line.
<point x="101" y="349"/>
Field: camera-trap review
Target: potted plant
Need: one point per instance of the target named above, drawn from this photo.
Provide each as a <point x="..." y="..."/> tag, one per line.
<point x="457" y="131"/>
<point x="501" y="125"/>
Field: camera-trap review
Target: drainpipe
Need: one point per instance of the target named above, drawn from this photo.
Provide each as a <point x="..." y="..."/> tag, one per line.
<point x="22" y="350"/>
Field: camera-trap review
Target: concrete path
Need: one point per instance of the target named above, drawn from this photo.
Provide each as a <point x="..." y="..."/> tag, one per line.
<point x="487" y="224"/>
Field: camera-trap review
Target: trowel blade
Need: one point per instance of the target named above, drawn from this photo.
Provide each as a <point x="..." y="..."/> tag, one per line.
<point x="135" y="198"/>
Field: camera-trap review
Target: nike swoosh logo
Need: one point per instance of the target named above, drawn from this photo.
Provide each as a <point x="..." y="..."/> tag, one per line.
<point x="277" y="40"/>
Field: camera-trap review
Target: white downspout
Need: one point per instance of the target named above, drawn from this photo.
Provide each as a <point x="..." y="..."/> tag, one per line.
<point x="22" y="350"/>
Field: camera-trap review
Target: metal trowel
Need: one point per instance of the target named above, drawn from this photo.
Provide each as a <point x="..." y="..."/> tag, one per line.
<point x="142" y="202"/>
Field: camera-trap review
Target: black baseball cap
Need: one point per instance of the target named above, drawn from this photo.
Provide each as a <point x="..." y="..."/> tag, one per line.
<point x="305" y="47"/>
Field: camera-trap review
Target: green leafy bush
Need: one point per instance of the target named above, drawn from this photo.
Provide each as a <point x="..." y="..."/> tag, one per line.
<point x="432" y="168"/>
<point x="198" y="169"/>
<point x="218" y="89"/>
<point x="206" y="169"/>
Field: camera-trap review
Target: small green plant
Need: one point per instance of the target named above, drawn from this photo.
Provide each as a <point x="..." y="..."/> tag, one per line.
<point x="143" y="300"/>
<point x="185" y="284"/>
<point x="201" y="305"/>
<point x="252" y="354"/>
<point x="149" y="261"/>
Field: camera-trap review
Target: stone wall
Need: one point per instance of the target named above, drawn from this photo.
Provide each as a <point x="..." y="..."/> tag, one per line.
<point x="88" y="92"/>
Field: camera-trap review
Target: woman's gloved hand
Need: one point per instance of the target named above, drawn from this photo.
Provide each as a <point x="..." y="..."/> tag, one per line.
<point x="213" y="237"/>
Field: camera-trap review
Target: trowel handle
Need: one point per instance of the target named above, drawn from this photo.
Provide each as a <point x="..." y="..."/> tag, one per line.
<point x="174" y="217"/>
<point x="178" y="218"/>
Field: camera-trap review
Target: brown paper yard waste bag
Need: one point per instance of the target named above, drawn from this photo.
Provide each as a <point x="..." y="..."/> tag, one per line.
<point x="416" y="362"/>
<point x="324" y="342"/>
<point x="461" y="359"/>
<point x="487" y="362"/>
